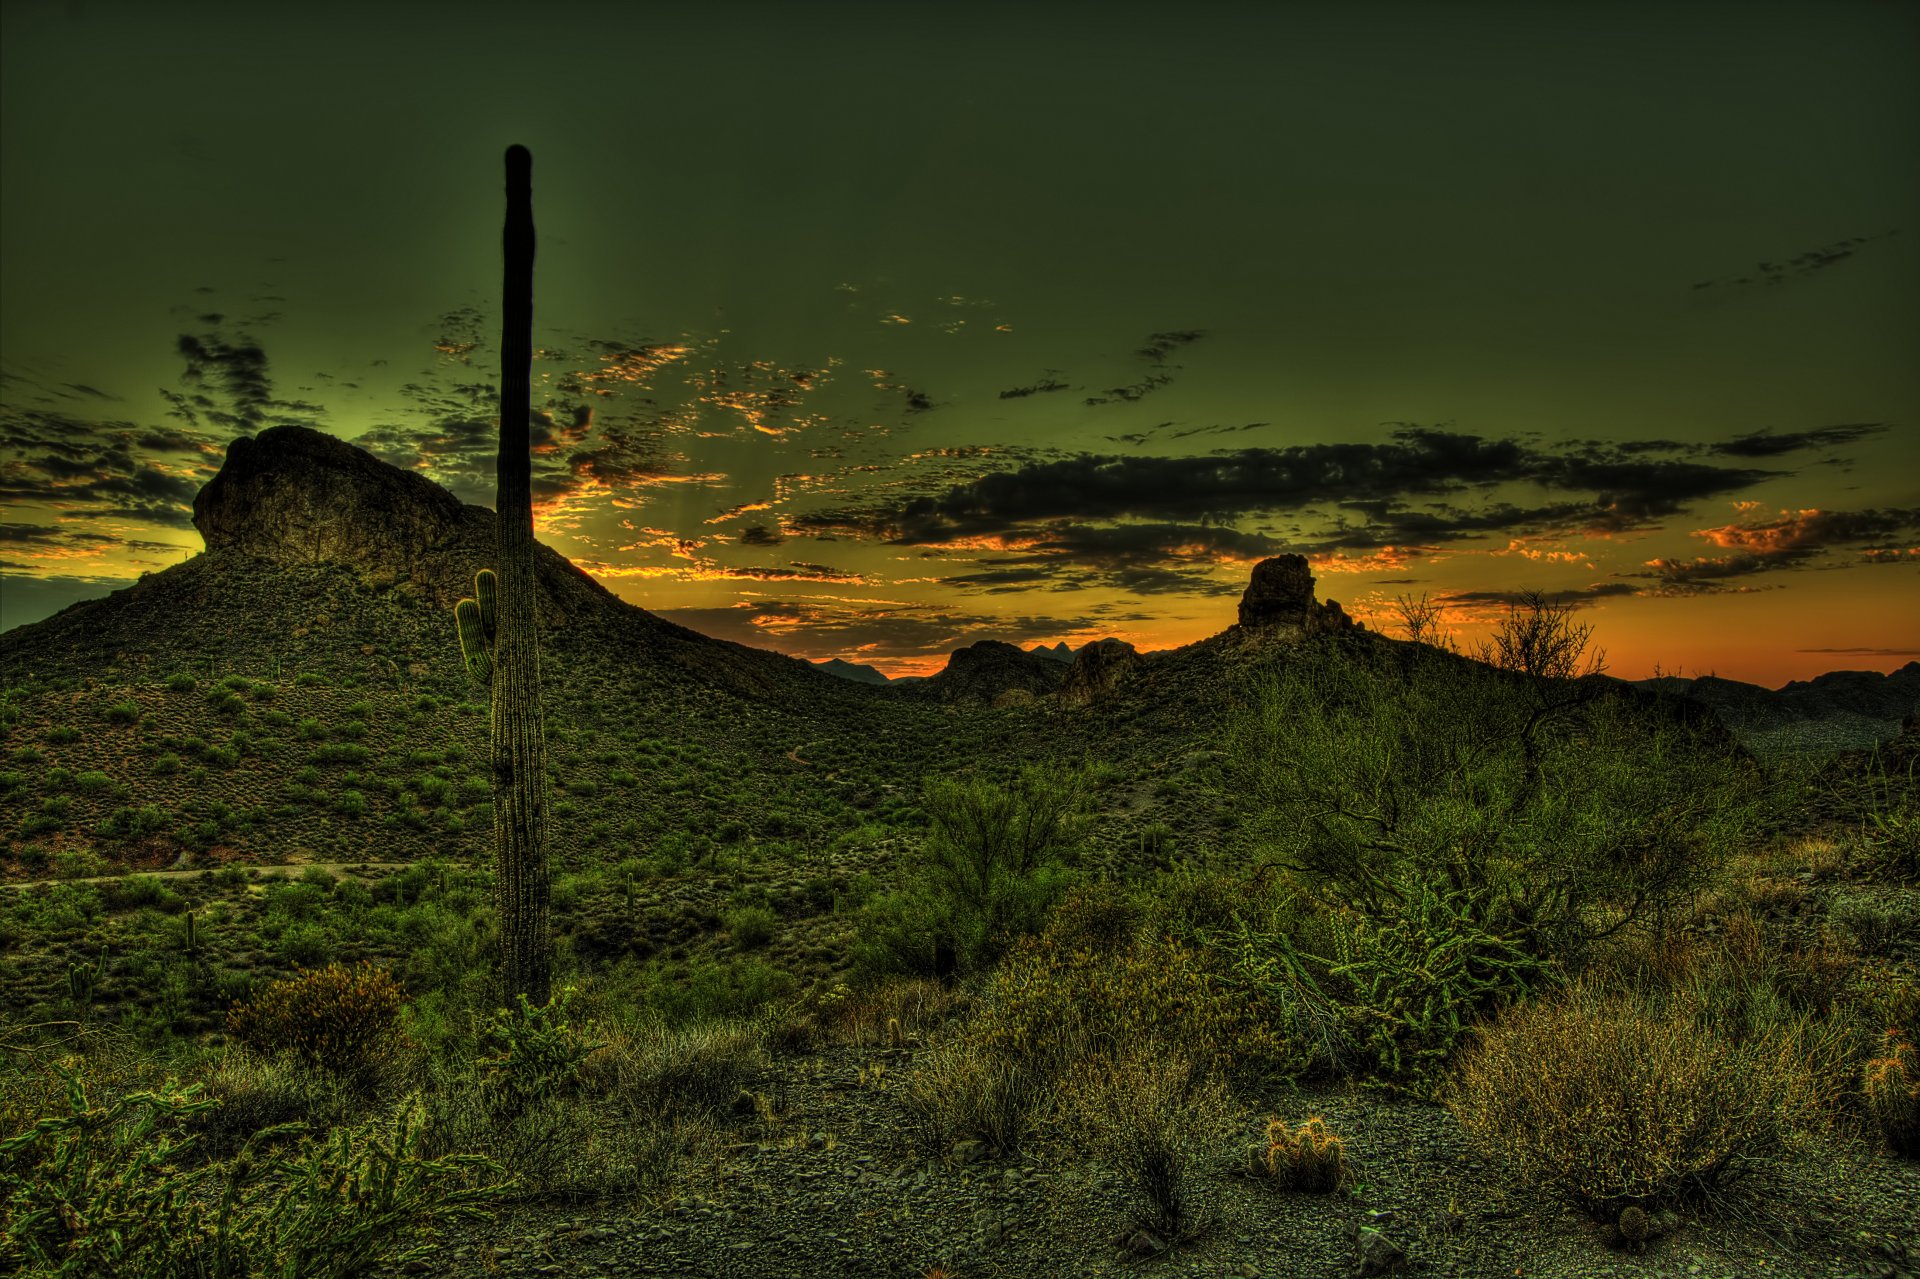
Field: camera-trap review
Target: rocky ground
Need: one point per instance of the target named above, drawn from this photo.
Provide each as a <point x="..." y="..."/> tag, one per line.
<point x="836" y="1189"/>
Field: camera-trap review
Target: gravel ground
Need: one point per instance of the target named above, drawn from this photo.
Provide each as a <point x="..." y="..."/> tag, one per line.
<point x="836" y="1190"/>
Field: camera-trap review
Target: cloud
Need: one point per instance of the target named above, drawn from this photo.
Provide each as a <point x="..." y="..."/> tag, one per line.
<point x="1573" y="597"/>
<point x="760" y="535"/>
<point x="919" y="634"/>
<point x="1781" y="270"/>
<point x="1769" y="444"/>
<point x="1797" y="533"/>
<point x="1793" y="539"/>
<point x="90" y="469"/>
<point x="1155" y="351"/>
<point x="1621" y="490"/>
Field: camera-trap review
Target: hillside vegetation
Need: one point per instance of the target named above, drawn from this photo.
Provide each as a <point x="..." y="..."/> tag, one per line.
<point x="1299" y="950"/>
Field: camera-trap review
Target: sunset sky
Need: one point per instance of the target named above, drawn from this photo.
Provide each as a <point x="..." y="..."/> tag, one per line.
<point x="873" y="330"/>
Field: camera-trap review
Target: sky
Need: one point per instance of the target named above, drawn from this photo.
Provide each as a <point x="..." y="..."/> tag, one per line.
<point x="871" y="331"/>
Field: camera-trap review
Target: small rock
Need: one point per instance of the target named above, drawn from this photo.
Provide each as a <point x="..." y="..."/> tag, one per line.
<point x="966" y="1152"/>
<point x="1379" y="1255"/>
<point x="1247" y="1270"/>
<point x="1143" y="1243"/>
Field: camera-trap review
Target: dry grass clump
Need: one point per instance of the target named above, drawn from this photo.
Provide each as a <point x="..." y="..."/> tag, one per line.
<point x="1617" y="1098"/>
<point x="1309" y="1158"/>
<point x="253" y="1092"/>
<point x="957" y="1092"/>
<point x="651" y="1066"/>
<point x="1893" y="1092"/>
<point x="895" y="1012"/>
<point x="1153" y="1116"/>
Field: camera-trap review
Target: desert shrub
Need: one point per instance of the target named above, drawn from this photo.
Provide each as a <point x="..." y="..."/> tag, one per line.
<point x="751" y="927"/>
<point x="1309" y="1158"/>
<point x="1152" y="1116"/>
<point x="135" y="822"/>
<point x="1893" y="1092"/>
<point x="134" y="892"/>
<point x="345" y="1020"/>
<point x="180" y="682"/>
<point x="1419" y="974"/>
<point x="106" y="1193"/>
<point x="126" y="711"/>
<point x="1544" y="801"/>
<point x="531" y="1053"/>
<point x="996" y="858"/>
<point x="1647" y="1101"/>
<point x="719" y="990"/>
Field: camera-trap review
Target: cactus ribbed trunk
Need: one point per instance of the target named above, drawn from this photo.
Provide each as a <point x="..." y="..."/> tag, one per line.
<point x="519" y="738"/>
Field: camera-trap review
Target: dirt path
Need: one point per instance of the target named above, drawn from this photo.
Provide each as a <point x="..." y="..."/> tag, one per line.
<point x="286" y="870"/>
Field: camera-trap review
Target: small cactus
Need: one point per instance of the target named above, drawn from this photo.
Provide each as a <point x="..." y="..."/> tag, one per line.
<point x="1634" y="1226"/>
<point x="192" y="933"/>
<point x="82" y="978"/>
<point x="1309" y="1158"/>
<point x="1893" y="1092"/>
<point x="478" y="620"/>
<point x="896" y="1038"/>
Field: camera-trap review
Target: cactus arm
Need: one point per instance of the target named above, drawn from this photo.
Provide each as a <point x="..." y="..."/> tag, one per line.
<point x="486" y="591"/>
<point x="476" y="645"/>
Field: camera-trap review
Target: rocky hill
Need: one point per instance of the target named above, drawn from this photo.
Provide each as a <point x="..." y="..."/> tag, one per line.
<point x="1837" y="711"/>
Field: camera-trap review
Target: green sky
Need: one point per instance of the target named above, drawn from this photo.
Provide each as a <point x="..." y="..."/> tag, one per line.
<point x="1614" y="301"/>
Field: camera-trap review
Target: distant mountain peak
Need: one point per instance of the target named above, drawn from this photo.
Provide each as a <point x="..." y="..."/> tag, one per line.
<point x="858" y="672"/>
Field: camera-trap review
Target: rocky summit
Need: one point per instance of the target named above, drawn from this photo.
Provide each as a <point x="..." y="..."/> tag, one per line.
<point x="1280" y="593"/>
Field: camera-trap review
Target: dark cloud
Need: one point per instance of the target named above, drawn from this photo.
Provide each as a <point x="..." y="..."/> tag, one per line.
<point x="1783" y="269"/>
<point x="1771" y="444"/>
<point x="1155" y="351"/>
<point x="1575" y="597"/>
<point x="1041" y="387"/>
<point x="87" y="468"/>
<point x="760" y="535"/>
<point x="860" y="631"/>
<point x="1620" y="490"/>
<point x="236" y="371"/>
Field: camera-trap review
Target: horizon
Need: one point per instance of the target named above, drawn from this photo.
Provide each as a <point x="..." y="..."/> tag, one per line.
<point x="895" y="339"/>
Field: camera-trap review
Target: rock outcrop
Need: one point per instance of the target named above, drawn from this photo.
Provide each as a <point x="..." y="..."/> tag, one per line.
<point x="982" y="672"/>
<point x="1096" y="669"/>
<point x="1280" y="594"/>
<point x="298" y="496"/>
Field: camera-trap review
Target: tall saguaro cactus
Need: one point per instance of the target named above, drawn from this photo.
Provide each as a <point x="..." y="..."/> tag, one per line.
<point x="519" y="735"/>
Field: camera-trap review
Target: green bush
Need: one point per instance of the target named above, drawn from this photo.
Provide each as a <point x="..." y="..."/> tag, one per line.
<point x="532" y="1053"/>
<point x="752" y="927"/>
<point x="996" y="858"/>
<point x="1561" y="815"/>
